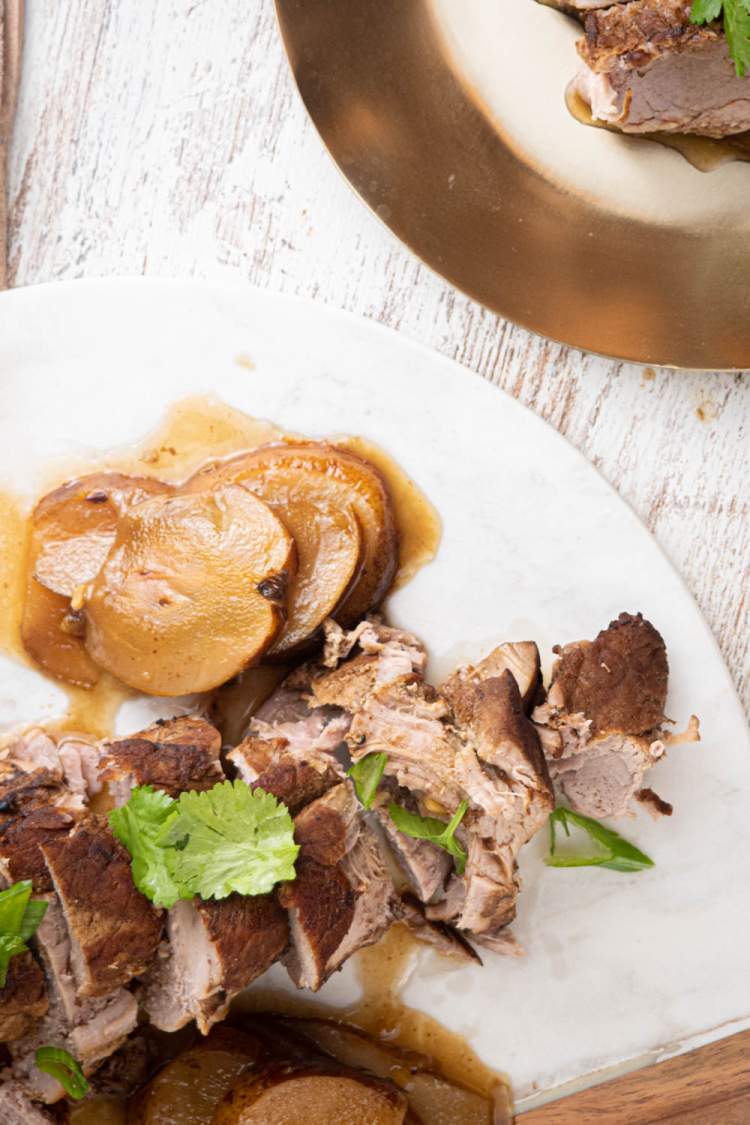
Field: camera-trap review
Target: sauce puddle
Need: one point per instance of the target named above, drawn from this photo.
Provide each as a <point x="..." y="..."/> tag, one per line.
<point x="195" y="430"/>
<point x="382" y="970"/>
<point x="706" y="154"/>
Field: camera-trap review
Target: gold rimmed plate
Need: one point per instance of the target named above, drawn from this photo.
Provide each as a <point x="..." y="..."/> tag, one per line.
<point x="449" y="118"/>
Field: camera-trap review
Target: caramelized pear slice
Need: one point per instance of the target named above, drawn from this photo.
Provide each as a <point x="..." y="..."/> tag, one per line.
<point x="326" y="532"/>
<point x="192" y="591"/>
<point x="74" y="526"/>
<point x="312" y="1094"/>
<point x="47" y="637"/>
<point x="72" y="529"/>
<point x="314" y="478"/>
<point x="187" y="1090"/>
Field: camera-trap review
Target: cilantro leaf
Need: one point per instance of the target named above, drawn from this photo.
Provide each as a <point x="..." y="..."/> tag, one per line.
<point x="139" y="825"/>
<point x="736" y="15"/>
<point x="366" y="776"/>
<point x="230" y="839"/>
<point x="705" y="11"/>
<point x="63" y="1067"/>
<point x="35" y="911"/>
<point x="618" y="854"/>
<point x="19" y="919"/>
<point x="10" y="945"/>
<point x="429" y="828"/>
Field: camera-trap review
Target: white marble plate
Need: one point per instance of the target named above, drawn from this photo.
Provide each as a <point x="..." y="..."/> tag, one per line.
<point x="619" y="969"/>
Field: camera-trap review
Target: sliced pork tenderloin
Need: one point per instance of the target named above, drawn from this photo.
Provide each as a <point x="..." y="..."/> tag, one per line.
<point x="90" y="1029"/>
<point x="215" y="950"/>
<point x="422" y="866"/>
<point x="23" y="999"/>
<point x="448" y="941"/>
<point x="16" y="1108"/>
<point x="113" y="929"/>
<point x="645" y="67"/>
<point x="342" y="898"/>
<point x="602" y="722"/>
<point x="173" y="755"/>
<point x="472" y="742"/>
<point x="22" y="838"/>
<point x="292" y="776"/>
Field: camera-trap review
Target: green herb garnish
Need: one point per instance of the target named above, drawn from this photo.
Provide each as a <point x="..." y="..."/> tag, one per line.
<point x="19" y="919"/>
<point x="139" y="826"/>
<point x="366" y="776"/>
<point x="436" y="831"/>
<point x="63" y="1067"/>
<point x="229" y="839"/>
<point x="736" y="26"/>
<point x="618" y="854"/>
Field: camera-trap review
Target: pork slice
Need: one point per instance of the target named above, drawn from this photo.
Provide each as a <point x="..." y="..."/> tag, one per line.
<point x="90" y="1029"/>
<point x="23" y="999"/>
<point x="425" y="867"/>
<point x="501" y="764"/>
<point x="342" y="898"/>
<point x="175" y="755"/>
<point x="30" y="771"/>
<point x="114" y="930"/>
<point x="400" y="653"/>
<point x="448" y="941"/>
<point x="601" y="724"/>
<point x="618" y="681"/>
<point x="520" y="658"/>
<point x="18" y="1109"/>
<point x="294" y="777"/>
<point x="22" y="838"/>
<point x="406" y="719"/>
<point x="646" y="68"/>
<point x="602" y="779"/>
<point x="215" y="950"/>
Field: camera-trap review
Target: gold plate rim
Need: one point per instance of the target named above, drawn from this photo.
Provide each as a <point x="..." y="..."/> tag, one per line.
<point x="370" y="72"/>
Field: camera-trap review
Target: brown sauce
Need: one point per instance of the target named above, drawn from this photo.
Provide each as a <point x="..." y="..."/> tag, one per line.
<point x="704" y="153"/>
<point x="195" y="430"/>
<point x="381" y="971"/>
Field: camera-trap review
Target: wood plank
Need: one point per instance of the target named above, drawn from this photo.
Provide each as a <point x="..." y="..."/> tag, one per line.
<point x="701" y="1088"/>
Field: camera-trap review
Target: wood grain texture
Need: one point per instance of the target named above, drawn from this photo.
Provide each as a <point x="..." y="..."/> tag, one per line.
<point x="710" y="1086"/>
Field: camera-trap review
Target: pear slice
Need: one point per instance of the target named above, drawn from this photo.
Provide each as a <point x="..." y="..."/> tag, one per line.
<point x="317" y="1094"/>
<point x="325" y="530"/>
<point x="192" y="592"/>
<point x="338" y="508"/>
<point x="72" y="530"/>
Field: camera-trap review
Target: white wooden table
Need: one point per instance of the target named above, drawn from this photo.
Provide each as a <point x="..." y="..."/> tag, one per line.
<point x="165" y="137"/>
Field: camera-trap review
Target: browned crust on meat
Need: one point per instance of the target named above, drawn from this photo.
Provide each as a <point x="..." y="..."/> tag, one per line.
<point x="655" y="803"/>
<point x="115" y="926"/>
<point x="22" y="838"/>
<point x="494" y="713"/>
<point x="296" y="783"/>
<point x="24" y="789"/>
<point x="174" y="756"/>
<point x="249" y="933"/>
<point x="324" y="904"/>
<point x="618" y="681"/>
<point x="350" y="685"/>
<point x="23" y="1000"/>
<point x="640" y="32"/>
<point x="321" y="833"/>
